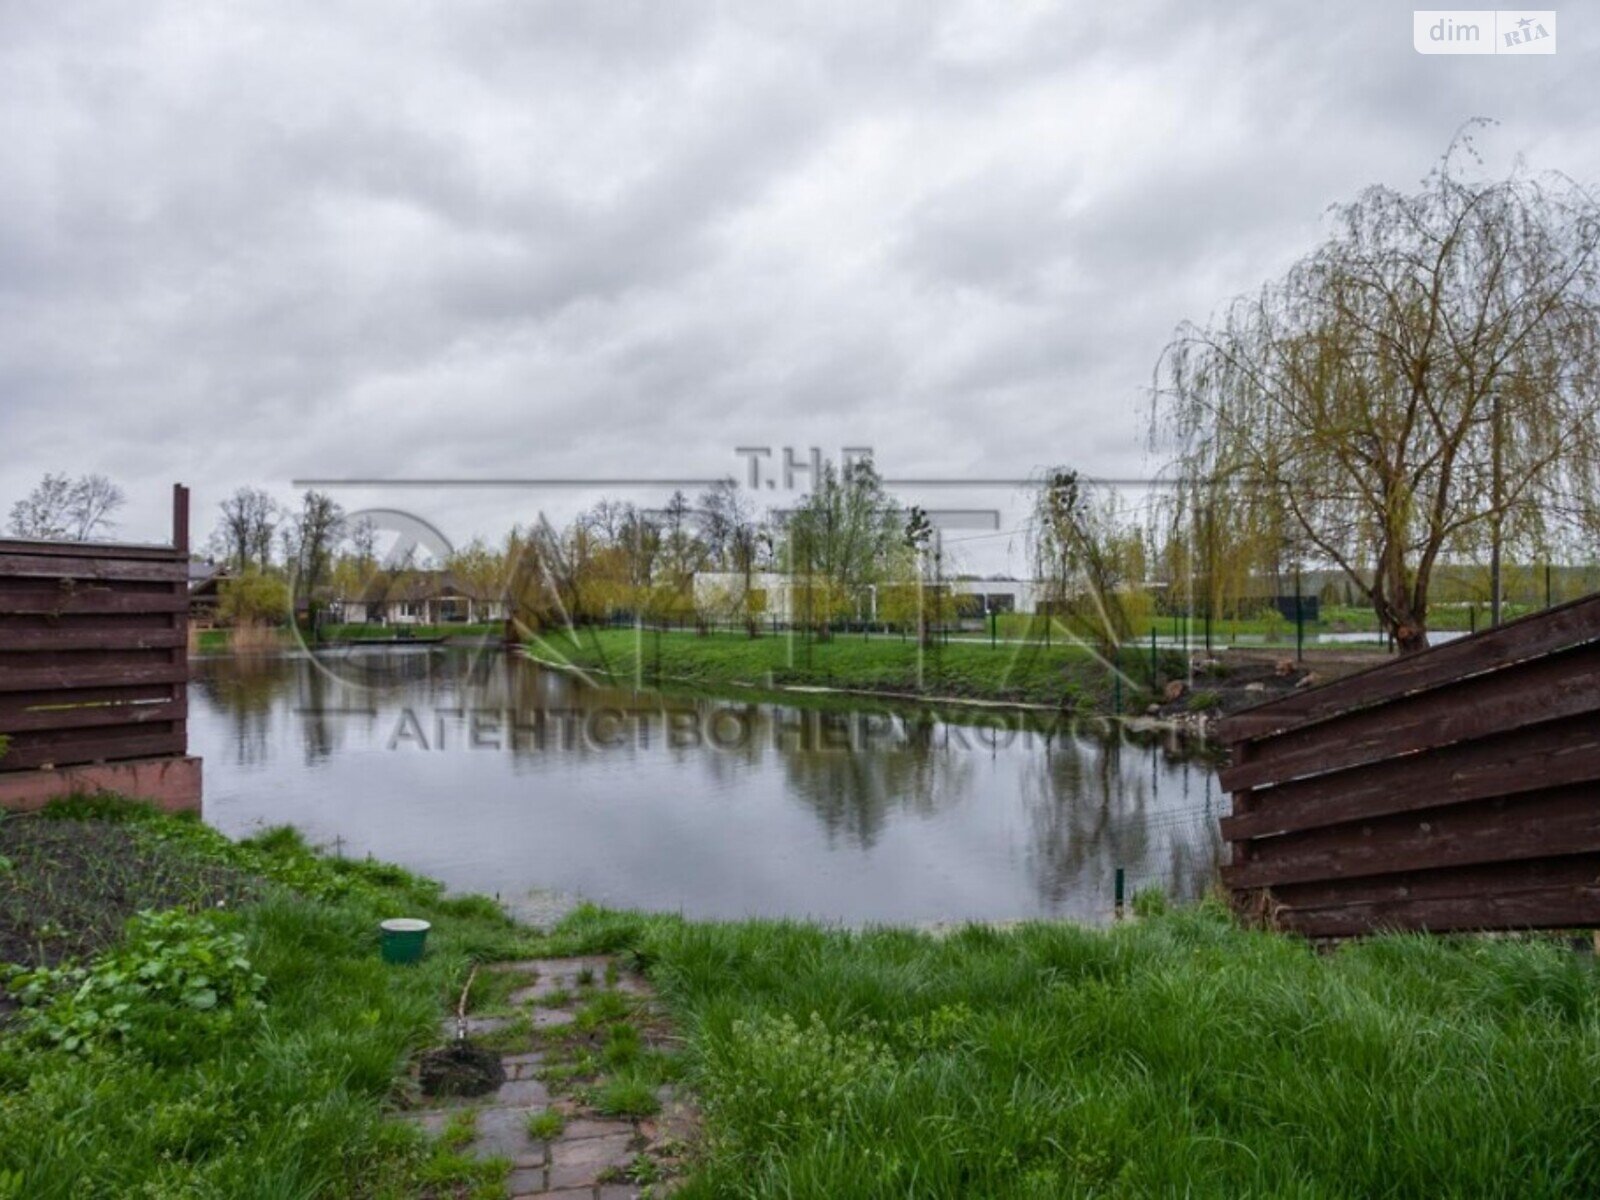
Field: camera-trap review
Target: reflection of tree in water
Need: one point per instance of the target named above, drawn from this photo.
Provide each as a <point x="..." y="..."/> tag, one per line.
<point x="853" y="784"/>
<point x="245" y="691"/>
<point x="1093" y="809"/>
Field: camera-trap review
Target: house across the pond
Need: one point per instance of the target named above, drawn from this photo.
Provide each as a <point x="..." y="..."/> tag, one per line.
<point x="418" y="598"/>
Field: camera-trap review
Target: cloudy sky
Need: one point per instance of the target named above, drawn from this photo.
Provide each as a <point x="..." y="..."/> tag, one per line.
<point x="249" y="244"/>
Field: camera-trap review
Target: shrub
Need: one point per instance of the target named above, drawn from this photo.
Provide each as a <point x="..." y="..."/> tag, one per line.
<point x="176" y="976"/>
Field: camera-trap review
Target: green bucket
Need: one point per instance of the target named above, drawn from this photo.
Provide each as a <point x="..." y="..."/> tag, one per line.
<point x="403" y="939"/>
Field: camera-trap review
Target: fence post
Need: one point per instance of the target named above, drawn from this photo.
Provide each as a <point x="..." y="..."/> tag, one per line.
<point x="180" y="518"/>
<point x="1117" y="892"/>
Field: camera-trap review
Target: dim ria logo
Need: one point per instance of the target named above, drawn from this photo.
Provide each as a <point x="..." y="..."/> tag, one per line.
<point x="1483" y="31"/>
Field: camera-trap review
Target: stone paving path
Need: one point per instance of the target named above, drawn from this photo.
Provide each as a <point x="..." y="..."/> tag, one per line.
<point x="588" y="1109"/>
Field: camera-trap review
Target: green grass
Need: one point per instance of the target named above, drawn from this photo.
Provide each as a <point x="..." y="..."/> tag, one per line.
<point x="1175" y="1055"/>
<point x="546" y="1124"/>
<point x="625" y="1095"/>
<point x="288" y="1099"/>
<point x="1064" y="675"/>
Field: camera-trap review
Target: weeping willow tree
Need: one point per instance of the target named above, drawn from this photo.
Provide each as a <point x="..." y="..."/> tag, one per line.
<point x="1089" y="559"/>
<point x="1424" y="386"/>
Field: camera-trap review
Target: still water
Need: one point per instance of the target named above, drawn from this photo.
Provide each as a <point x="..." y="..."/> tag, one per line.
<point x="493" y="775"/>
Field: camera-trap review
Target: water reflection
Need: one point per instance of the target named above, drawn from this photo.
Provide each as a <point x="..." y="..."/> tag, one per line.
<point x="497" y="776"/>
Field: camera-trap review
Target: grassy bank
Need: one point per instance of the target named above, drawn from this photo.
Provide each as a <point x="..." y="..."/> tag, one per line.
<point x="244" y="1041"/>
<point x="1067" y="676"/>
<point x="220" y="640"/>
<point x="1173" y="1055"/>
<point x="1177" y="1055"/>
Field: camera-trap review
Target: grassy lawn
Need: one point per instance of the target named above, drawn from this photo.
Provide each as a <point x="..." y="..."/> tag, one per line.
<point x="1174" y="1055"/>
<point x="221" y="640"/>
<point x="244" y="1041"/>
<point x="261" y="1042"/>
<point x="1069" y="676"/>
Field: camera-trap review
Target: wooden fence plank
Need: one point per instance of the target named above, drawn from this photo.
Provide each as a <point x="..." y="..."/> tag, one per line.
<point x="94" y="638"/>
<point x="85" y="568"/>
<point x="1536" y="635"/>
<point x="16" y="702"/>
<point x="1578" y="870"/>
<point x="58" y="602"/>
<point x="66" y="675"/>
<point x="142" y="550"/>
<point x="1545" y="689"/>
<point x="26" y="753"/>
<point x="1545" y="824"/>
<point x="1520" y="760"/>
<point x="1543" y="908"/>
<point x="89" y="716"/>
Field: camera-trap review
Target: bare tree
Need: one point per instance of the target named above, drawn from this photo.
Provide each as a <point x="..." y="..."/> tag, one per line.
<point x="1424" y="385"/>
<point x="42" y="513"/>
<point x="310" y="538"/>
<point x="734" y="538"/>
<point x="66" y="509"/>
<point x="94" y="499"/>
<point x="243" y="536"/>
<point x="846" y="534"/>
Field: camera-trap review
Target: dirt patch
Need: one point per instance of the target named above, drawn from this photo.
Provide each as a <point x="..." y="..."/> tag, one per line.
<point x="1222" y="686"/>
<point x="460" y="1069"/>
<point x="67" y="887"/>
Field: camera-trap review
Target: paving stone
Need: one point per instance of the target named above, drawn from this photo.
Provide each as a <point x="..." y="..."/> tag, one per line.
<point x="532" y="1059"/>
<point x="525" y="1181"/>
<point x="618" y="1191"/>
<point x="551" y="1018"/>
<point x="581" y="1193"/>
<point x="431" y="1121"/>
<point x="590" y="1127"/>
<point x="503" y="1133"/>
<point x="533" y="994"/>
<point x="527" y="1093"/>
<point x="575" y="1163"/>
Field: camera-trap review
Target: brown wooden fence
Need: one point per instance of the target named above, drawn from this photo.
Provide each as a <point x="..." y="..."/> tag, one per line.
<point x="1458" y="788"/>
<point x="94" y="651"/>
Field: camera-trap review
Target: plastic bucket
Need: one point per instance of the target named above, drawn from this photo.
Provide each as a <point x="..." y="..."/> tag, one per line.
<point x="403" y="939"/>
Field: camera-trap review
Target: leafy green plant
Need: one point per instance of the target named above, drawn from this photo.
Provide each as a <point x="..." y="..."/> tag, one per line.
<point x="174" y="971"/>
<point x="801" y="1075"/>
<point x="546" y="1124"/>
<point x="626" y="1096"/>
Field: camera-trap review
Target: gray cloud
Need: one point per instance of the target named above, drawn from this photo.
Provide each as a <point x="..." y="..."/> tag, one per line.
<point x="246" y="245"/>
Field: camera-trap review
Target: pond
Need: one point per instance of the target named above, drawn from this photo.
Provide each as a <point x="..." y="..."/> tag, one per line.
<point x="493" y="775"/>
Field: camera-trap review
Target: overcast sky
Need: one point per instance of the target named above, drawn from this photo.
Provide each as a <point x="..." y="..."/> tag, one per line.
<point x="248" y="244"/>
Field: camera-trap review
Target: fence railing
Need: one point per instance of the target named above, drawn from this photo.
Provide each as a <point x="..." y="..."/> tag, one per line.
<point x="1458" y="788"/>
<point x="94" y="650"/>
